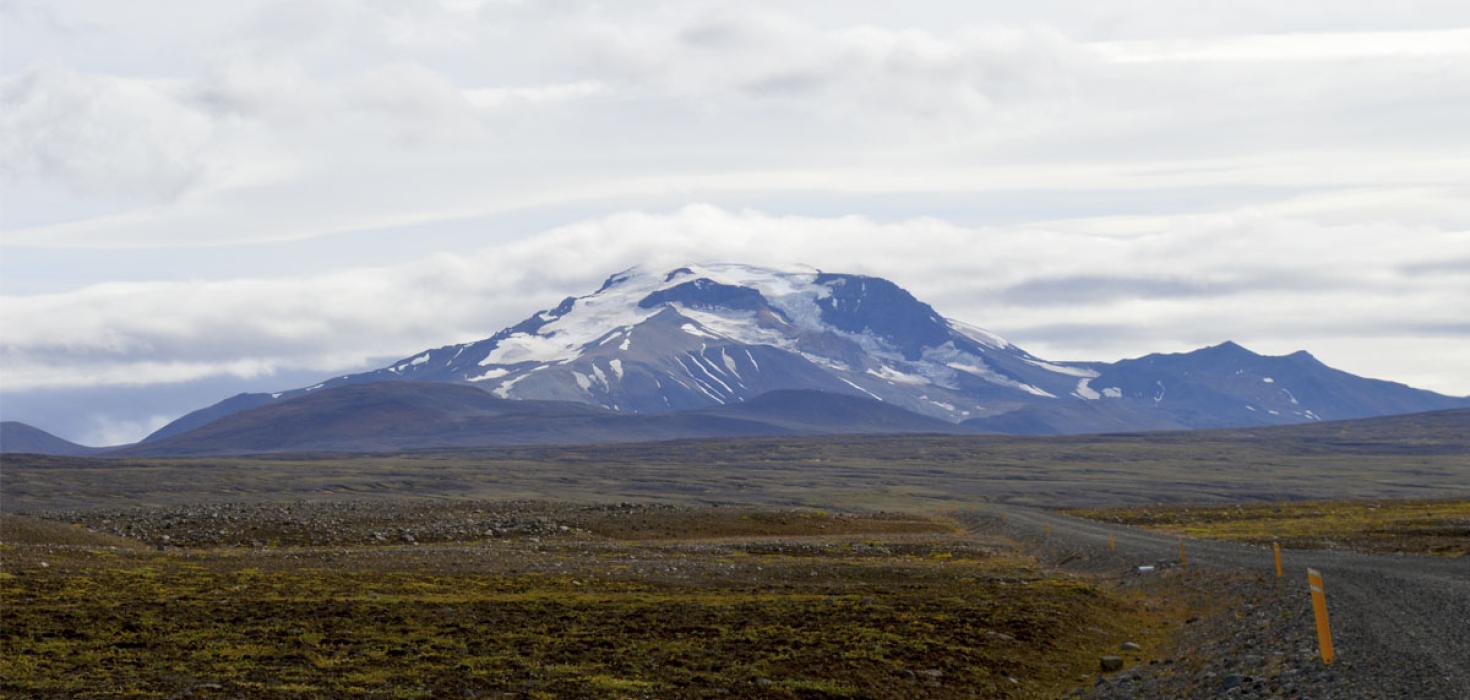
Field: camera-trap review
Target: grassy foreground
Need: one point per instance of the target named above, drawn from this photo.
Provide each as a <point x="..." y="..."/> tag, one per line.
<point x="623" y="603"/>
<point x="1427" y="527"/>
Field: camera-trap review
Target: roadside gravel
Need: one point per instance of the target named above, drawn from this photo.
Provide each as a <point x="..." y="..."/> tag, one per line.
<point x="1401" y="624"/>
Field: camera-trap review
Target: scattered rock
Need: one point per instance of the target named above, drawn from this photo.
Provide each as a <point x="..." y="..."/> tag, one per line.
<point x="1130" y="646"/>
<point x="349" y="522"/>
<point x="1111" y="663"/>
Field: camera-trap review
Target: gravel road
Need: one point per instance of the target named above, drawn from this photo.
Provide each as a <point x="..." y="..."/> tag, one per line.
<point x="1401" y="624"/>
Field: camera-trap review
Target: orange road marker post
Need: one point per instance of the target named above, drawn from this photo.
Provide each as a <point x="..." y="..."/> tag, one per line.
<point x="1046" y="530"/>
<point x="1276" y="550"/>
<point x="1183" y="558"/>
<point x="1112" y="543"/>
<point x="1319" y="608"/>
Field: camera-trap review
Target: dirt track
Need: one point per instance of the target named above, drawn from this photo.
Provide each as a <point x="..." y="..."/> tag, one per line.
<point x="1401" y="624"/>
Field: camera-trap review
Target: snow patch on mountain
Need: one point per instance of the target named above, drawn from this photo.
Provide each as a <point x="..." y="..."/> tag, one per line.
<point x="986" y="373"/>
<point x="494" y="373"/>
<point x="694" y="330"/>
<point x="527" y="347"/>
<point x="1084" y="391"/>
<point x="850" y="383"/>
<point x="1059" y="369"/>
<point x="979" y="335"/>
<point x="890" y="374"/>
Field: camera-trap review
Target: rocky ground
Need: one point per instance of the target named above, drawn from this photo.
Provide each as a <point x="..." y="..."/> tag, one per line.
<point x="349" y="523"/>
<point x="339" y="523"/>
<point x="1401" y="624"/>
<point x="1260" y="645"/>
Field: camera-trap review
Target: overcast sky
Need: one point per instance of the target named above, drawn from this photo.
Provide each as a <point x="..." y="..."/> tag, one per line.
<point x="205" y="197"/>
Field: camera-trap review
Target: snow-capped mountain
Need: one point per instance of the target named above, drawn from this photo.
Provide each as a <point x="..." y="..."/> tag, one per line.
<point x="704" y="336"/>
<point x="708" y="335"/>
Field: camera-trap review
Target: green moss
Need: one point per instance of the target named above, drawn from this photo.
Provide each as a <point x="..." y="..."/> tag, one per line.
<point x="1438" y="527"/>
<point x="566" y="621"/>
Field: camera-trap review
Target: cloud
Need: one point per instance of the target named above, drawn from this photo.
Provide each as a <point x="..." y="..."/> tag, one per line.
<point x="107" y="430"/>
<point x="1458" y="267"/>
<point x="894" y="77"/>
<point x="392" y="114"/>
<point x="1078" y="293"/>
<point x="1094" y="288"/>
<point x="507" y="97"/>
<point x="102" y="135"/>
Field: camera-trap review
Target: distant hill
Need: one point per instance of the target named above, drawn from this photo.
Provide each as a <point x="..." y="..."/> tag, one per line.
<point x="19" y="438"/>
<point x="388" y="416"/>
<point x="1433" y="432"/>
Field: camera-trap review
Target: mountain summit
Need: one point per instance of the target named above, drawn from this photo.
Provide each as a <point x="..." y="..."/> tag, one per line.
<point x="709" y="335"/>
<point x="705" y="336"/>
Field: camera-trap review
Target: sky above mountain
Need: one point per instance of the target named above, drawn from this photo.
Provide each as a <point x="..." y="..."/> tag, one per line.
<point x="204" y="197"/>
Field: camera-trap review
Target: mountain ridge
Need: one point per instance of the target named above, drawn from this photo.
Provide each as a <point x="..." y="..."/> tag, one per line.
<point x="704" y="336"/>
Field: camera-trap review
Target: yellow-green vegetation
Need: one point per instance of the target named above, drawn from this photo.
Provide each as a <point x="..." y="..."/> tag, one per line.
<point x="18" y="530"/>
<point x="743" y="606"/>
<point x="1438" y="527"/>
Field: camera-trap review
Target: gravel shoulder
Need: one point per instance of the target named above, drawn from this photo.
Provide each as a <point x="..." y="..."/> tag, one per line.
<point x="1400" y="624"/>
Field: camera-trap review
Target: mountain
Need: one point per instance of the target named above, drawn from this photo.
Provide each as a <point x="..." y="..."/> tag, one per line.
<point x="702" y="337"/>
<point x="210" y="414"/>
<point x="1230" y="385"/>
<point x="384" y="416"/>
<point x="18" y="438"/>
<point x="1221" y="386"/>
<point x="820" y="413"/>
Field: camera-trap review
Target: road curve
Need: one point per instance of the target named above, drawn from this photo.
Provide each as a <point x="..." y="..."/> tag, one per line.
<point x="1401" y="624"/>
